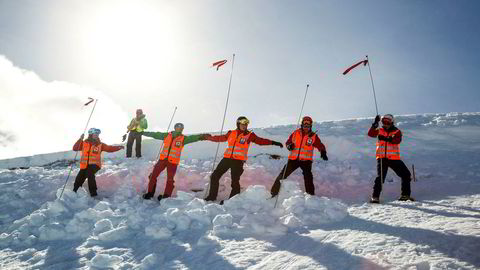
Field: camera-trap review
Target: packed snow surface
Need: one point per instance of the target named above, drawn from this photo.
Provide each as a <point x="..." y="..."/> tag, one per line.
<point x="335" y="229"/>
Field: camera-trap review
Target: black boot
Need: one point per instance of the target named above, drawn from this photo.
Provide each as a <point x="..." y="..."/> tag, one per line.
<point x="160" y="197"/>
<point x="210" y="198"/>
<point x="148" y="195"/>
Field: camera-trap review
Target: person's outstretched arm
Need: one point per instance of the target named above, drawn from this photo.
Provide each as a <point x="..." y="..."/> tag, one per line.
<point x="111" y="148"/>
<point x="217" y="138"/>
<point x="155" y="135"/>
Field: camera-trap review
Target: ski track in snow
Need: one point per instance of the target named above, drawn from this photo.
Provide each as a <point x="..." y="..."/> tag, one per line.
<point x="333" y="230"/>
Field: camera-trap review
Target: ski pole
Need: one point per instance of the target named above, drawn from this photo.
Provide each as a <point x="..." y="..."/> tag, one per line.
<point x="163" y="141"/>
<point x="168" y="129"/>
<point x="286" y="166"/>
<point x="76" y="152"/>
<point x="223" y="121"/>
<point x="413" y="171"/>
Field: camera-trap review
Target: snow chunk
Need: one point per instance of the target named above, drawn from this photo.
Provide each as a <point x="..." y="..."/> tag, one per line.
<point x="54" y="231"/>
<point x="103" y="226"/>
<point x="105" y="261"/>
<point x="115" y="234"/>
<point x="158" y="232"/>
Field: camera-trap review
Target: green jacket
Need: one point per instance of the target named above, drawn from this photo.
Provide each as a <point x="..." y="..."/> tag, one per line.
<point x="138" y="125"/>
<point x="162" y="135"/>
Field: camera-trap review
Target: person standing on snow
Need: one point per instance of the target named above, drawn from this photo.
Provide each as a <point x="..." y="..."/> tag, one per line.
<point x="235" y="155"/>
<point x="91" y="160"/>
<point x="173" y="143"/>
<point x="135" y="128"/>
<point x="388" y="156"/>
<point x="301" y="144"/>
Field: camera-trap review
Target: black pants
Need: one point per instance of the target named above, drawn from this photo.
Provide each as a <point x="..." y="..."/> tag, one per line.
<point x="399" y="168"/>
<point x="305" y="165"/>
<point x="89" y="173"/>
<point x="236" y="167"/>
<point x="134" y="136"/>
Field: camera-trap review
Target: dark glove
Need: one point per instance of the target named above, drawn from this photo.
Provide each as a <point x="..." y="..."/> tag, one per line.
<point x="277" y="144"/>
<point x="124" y="137"/>
<point x="290" y="146"/>
<point x="383" y="138"/>
<point x="323" y="155"/>
<point x="377" y="120"/>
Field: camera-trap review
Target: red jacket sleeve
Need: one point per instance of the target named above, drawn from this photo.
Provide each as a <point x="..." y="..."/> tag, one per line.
<point x="397" y="139"/>
<point x="289" y="141"/>
<point x="218" y="138"/>
<point x="110" y="148"/>
<point x="373" y="132"/>
<point x="258" y="140"/>
<point x="318" y="144"/>
<point x="78" y="146"/>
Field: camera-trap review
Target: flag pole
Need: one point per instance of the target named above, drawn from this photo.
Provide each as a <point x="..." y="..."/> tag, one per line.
<point x="76" y="152"/>
<point x="286" y="166"/>
<point x="223" y="121"/>
<point x="376" y="108"/>
<point x="373" y="85"/>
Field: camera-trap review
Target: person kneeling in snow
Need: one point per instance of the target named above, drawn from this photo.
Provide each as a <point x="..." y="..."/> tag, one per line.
<point x="301" y="144"/>
<point x="91" y="160"/>
<point x="388" y="155"/>
<point x="235" y="155"/>
<point x="173" y="143"/>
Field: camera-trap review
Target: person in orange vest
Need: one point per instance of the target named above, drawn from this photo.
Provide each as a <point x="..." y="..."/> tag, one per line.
<point x="134" y="130"/>
<point x="301" y="144"/>
<point x="173" y="143"/>
<point x="235" y="155"/>
<point x="91" y="160"/>
<point x="388" y="156"/>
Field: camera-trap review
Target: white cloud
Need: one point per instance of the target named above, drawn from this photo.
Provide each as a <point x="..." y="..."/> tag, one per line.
<point x="41" y="117"/>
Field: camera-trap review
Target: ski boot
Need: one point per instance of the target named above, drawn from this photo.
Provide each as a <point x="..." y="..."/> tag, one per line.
<point x="374" y="200"/>
<point x="406" y="198"/>
<point x="160" y="197"/>
<point x="148" y="195"/>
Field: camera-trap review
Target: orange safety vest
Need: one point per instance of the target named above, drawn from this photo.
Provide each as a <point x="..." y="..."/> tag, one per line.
<point x="238" y="145"/>
<point x="172" y="148"/>
<point x="390" y="150"/>
<point x="303" y="149"/>
<point x="91" y="155"/>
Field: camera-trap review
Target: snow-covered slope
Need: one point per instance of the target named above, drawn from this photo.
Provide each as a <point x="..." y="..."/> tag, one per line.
<point x="333" y="230"/>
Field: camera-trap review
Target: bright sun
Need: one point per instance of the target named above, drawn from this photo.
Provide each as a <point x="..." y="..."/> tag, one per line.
<point x="128" y="38"/>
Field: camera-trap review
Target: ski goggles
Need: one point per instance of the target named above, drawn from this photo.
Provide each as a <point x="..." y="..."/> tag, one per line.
<point x="386" y="121"/>
<point x="243" y="121"/>
<point x="95" y="131"/>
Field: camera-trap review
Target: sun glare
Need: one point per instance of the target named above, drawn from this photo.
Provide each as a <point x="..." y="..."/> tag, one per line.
<point x="129" y="38"/>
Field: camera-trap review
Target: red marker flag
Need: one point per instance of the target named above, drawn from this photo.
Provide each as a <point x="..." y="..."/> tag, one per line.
<point x="218" y="64"/>
<point x="365" y="62"/>
<point x="90" y="101"/>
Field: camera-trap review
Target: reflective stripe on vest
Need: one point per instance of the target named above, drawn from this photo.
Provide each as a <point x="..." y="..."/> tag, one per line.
<point x="91" y="155"/>
<point x="387" y="149"/>
<point x="237" y="146"/>
<point x="303" y="149"/>
<point x="172" y="148"/>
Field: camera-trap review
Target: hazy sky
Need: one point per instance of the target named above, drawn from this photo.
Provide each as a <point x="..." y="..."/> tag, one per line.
<point x="156" y="55"/>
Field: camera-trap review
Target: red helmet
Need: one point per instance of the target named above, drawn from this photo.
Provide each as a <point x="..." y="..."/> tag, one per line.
<point x="307" y="118"/>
